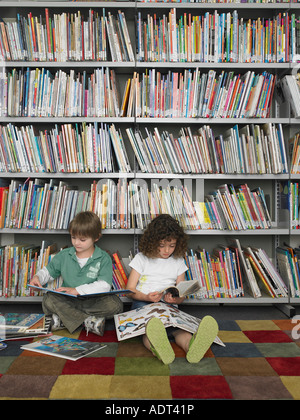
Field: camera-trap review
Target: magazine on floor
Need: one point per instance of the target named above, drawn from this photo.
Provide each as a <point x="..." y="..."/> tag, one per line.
<point x="65" y="347"/>
<point x="15" y="326"/>
<point x="132" y="323"/>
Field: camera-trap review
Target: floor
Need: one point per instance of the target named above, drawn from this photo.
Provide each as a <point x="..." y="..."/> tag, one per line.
<point x="226" y="312"/>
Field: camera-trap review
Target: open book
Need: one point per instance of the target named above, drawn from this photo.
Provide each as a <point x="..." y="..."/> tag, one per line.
<point x="111" y="292"/>
<point x="183" y="288"/>
<point x="132" y="323"/>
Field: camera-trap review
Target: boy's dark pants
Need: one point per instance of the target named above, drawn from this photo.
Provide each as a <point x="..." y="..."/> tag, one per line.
<point x="73" y="311"/>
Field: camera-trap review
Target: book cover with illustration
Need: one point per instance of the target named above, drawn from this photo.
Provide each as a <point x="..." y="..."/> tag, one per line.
<point x="132" y="323"/>
<point x="65" y="347"/>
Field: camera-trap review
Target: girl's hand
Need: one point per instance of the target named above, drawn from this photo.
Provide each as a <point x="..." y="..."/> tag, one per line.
<point x="168" y="298"/>
<point x="155" y="296"/>
<point x="69" y="290"/>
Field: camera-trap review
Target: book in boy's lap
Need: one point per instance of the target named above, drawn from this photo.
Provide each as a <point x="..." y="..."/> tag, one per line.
<point x="132" y="323"/>
<point x="111" y="292"/>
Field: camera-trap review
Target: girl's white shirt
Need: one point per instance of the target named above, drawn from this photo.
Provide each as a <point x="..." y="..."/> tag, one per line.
<point x="157" y="274"/>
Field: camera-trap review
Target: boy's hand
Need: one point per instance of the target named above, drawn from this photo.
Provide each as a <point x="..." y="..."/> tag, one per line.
<point x="35" y="281"/>
<point x="70" y="290"/>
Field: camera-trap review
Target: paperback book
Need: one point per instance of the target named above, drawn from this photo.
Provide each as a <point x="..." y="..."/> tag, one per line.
<point x="15" y="326"/>
<point x="132" y="323"/>
<point x="65" y="347"/>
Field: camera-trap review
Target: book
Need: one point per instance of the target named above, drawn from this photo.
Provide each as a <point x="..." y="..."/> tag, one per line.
<point x="132" y="323"/>
<point x="184" y="288"/>
<point x="111" y="292"/>
<point x="121" y="267"/>
<point x="15" y="326"/>
<point x="65" y="347"/>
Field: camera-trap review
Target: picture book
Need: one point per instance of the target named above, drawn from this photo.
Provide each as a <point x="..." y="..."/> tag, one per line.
<point x="132" y="323"/>
<point x="184" y="288"/>
<point x="111" y="292"/>
<point x="65" y="347"/>
<point x="18" y="325"/>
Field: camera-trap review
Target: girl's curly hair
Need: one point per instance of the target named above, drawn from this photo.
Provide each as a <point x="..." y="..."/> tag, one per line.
<point x="163" y="227"/>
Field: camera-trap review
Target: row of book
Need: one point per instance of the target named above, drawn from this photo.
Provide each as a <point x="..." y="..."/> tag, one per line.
<point x="66" y="37"/>
<point x="218" y="37"/>
<point x="232" y="271"/>
<point x="38" y="93"/>
<point x="20" y="262"/>
<point x="101" y="148"/>
<point x="193" y="94"/>
<point x="289" y="267"/>
<point x="292" y="194"/>
<point x="294" y="153"/>
<point x="251" y="149"/>
<point x="38" y="204"/>
<point x="229" y="271"/>
<point x="214" y="37"/>
<point x="70" y="148"/>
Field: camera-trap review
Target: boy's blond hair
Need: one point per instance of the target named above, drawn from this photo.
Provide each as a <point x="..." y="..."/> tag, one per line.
<point x="87" y="225"/>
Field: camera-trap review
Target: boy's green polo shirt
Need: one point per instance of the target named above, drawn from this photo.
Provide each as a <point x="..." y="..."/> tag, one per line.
<point x="65" y="264"/>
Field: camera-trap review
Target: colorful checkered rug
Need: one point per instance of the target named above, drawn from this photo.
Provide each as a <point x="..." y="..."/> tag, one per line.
<point x="261" y="360"/>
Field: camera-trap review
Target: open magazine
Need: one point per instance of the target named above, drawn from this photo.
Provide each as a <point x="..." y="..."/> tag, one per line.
<point x="132" y="323"/>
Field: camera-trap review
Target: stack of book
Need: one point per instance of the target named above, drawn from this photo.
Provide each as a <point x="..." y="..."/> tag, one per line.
<point x="294" y="149"/>
<point x="193" y="94"/>
<point x="39" y="93"/>
<point x="70" y="148"/>
<point x="14" y="326"/>
<point x="37" y="204"/>
<point x="232" y="271"/>
<point x="218" y="37"/>
<point x="120" y="274"/>
<point x="289" y="267"/>
<point x="251" y="149"/>
<point x="19" y="263"/>
<point x="234" y="208"/>
<point x="66" y="37"/>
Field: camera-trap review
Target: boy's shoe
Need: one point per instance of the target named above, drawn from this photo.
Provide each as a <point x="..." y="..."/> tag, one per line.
<point x="56" y="323"/>
<point x="160" y="345"/>
<point x="202" y="339"/>
<point x="95" y="325"/>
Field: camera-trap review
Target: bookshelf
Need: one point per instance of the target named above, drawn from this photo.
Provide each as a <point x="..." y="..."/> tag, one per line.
<point x="198" y="184"/>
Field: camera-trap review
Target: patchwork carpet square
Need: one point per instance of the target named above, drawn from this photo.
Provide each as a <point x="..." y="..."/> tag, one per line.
<point x="260" y="361"/>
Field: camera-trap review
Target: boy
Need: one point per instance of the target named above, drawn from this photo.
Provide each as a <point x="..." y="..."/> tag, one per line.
<point x="85" y="269"/>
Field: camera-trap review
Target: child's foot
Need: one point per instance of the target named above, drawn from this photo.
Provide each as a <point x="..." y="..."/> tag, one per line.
<point x="95" y="325"/>
<point x="56" y="323"/>
<point x="202" y="339"/>
<point x="160" y="345"/>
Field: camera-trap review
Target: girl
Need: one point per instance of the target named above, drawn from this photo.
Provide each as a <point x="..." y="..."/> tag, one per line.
<point x="159" y="265"/>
